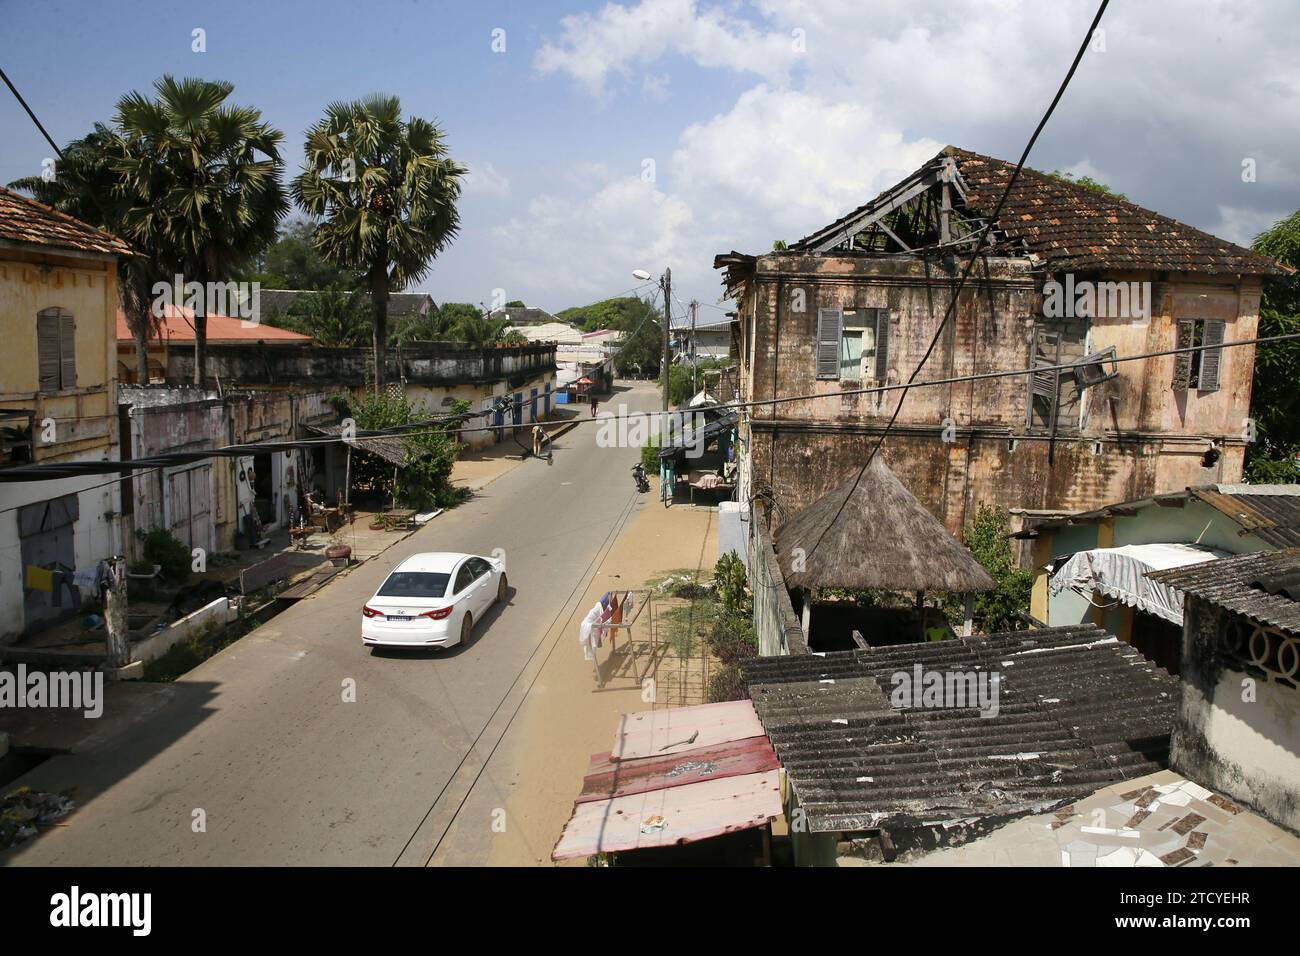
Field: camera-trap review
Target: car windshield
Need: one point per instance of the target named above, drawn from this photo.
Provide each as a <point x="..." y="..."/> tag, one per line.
<point x="414" y="584"/>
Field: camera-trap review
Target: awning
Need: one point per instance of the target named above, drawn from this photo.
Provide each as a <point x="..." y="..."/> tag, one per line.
<point x="673" y="776"/>
<point x="682" y="443"/>
<point x="1121" y="573"/>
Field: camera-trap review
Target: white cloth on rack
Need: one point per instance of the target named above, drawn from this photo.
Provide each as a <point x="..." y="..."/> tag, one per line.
<point x="587" y="632"/>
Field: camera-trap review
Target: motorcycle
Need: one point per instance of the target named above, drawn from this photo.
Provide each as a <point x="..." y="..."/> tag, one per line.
<point x="639" y="476"/>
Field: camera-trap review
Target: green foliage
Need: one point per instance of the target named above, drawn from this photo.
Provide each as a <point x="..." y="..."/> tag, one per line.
<point x="385" y="189"/>
<point x="1087" y="182"/>
<point x="292" y="262"/>
<point x="163" y="548"/>
<point x="650" y="456"/>
<point x="605" y="314"/>
<point x="199" y="180"/>
<point x="334" y="319"/>
<point x="1275" y="399"/>
<point x="732" y="583"/>
<point x="516" y="304"/>
<point x="679" y="385"/>
<point x="431" y="450"/>
<point x="986" y="536"/>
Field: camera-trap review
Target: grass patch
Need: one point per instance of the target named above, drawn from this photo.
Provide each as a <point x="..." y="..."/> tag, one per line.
<point x="688" y="624"/>
<point x="193" y="651"/>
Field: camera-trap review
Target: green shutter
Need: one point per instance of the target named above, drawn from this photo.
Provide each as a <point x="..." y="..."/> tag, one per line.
<point x="828" y="343"/>
<point x="1211" y="357"/>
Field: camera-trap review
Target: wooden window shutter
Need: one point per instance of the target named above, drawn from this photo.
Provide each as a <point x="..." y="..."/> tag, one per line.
<point x="1211" y="357"/>
<point x="882" y="344"/>
<point x="1183" y="360"/>
<point x="828" y="342"/>
<point x="47" y="349"/>
<point x="67" y="350"/>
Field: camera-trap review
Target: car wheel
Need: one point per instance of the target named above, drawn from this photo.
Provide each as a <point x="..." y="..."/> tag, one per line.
<point x="502" y="589"/>
<point x="466" y="627"/>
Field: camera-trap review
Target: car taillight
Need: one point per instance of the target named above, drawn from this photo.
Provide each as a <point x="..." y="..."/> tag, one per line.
<point x="439" y="614"/>
<point x="371" y="612"/>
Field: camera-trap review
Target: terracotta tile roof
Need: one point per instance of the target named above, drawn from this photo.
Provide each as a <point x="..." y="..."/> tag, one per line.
<point x="1072" y="227"/>
<point x="178" y="326"/>
<point x="1069" y="227"/>
<point x="29" y="222"/>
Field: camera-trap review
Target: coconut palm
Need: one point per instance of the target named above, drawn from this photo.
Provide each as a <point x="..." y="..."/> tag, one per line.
<point x="334" y="319"/>
<point x="85" y="185"/>
<point x="385" y="190"/>
<point x="200" y="183"/>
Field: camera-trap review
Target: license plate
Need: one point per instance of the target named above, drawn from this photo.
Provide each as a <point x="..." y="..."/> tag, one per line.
<point x="399" y="617"/>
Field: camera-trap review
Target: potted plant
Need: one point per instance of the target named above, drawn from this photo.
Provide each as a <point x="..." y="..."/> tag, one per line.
<point x="379" y="522"/>
<point x="338" y="551"/>
<point x="142" y="570"/>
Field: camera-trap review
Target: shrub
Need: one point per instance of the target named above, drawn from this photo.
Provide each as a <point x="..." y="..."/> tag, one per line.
<point x="163" y="548"/>
<point x="732" y="637"/>
<point x="729" y="573"/>
<point x="987" y="537"/>
<point x="650" y="456"/>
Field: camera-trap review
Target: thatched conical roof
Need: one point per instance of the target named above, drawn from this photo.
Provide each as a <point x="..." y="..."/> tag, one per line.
<point x="883" y="538"/>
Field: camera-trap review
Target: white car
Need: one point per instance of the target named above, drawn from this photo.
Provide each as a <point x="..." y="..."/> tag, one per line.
<point x="432" y="600"/>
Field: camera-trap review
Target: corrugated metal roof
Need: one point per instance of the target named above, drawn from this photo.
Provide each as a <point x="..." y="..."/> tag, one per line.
<point x="1273" y="516"/>
<point x="1231" y="583"/>
<point x="1077" y="709"/>
<point x="675" y="775"/>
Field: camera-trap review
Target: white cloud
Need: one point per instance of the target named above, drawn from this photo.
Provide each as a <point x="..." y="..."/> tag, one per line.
<point x="484" y="179"/>
<point x="620" y="39"/>
<point x="1165" y="114"/>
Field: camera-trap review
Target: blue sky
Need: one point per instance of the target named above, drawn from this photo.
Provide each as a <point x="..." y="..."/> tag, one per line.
<point x="762" y="119"/>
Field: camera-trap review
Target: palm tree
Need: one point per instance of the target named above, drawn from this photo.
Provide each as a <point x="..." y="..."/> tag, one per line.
<point x="334" y="319"/>
<point x="200" y="183"/>
<point x="479" y="329"/>
<point x="85" y="185"/>
<point x="385" y="190"/>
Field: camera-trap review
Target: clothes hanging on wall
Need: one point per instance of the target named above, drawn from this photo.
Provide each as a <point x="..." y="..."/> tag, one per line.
<point x="39" y="579"/>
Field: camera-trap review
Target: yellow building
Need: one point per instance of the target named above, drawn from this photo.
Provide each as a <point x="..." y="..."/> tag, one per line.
<point x="58" y="402"/>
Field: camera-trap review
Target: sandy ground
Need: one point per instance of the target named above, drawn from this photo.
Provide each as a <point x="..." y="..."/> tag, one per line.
<point x="566" y="718"/>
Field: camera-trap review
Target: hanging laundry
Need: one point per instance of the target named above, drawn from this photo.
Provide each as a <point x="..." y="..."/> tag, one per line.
<point x="61" y="580"/>
<point x="40" y="579"/>
<point x="587" y="636"/>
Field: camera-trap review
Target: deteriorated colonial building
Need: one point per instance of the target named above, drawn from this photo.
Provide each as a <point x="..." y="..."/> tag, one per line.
<point x="1068" y="275"/>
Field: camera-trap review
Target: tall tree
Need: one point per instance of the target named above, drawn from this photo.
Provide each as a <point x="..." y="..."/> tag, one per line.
<point x="86" y="185"/>
<point x="1274" y="399"/>
<point x="385" y="190"/>
<point x="292" y="262"/>
<point x="201" y="183"/>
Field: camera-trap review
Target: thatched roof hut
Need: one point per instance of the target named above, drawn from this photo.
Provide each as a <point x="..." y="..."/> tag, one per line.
<point x="883" y="538"/>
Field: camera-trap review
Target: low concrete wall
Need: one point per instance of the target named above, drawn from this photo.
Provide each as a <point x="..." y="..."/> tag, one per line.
<point x="733" y="530"/>
<point x="217" y="614"/>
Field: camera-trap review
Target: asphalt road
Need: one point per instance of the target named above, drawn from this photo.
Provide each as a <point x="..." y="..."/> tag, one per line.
<point x="259" y="745"/>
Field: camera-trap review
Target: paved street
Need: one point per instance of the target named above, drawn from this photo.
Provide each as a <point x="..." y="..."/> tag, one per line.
<point x="285" y="771"/>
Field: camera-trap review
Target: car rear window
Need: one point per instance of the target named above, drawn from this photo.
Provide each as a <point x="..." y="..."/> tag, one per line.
<point x="414" y="584"/>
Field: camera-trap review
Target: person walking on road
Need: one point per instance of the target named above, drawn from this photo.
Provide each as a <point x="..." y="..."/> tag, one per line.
<point x="594" y="402"/>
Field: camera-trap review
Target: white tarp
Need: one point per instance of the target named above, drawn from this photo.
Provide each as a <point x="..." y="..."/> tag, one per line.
<point x="1121" y="573"/>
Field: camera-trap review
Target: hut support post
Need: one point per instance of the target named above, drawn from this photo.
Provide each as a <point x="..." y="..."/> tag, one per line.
<point x="968" y="617"/>
<point x="806" y="616"/>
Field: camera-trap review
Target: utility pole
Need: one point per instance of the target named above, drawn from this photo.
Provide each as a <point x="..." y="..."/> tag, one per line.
<point x="695" y="361"/>
<point x="668" y="321"/>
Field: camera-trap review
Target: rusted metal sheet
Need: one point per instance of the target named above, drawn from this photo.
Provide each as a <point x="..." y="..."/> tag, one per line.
<point x="671" y="816"/>
<point x="607" y="778"/>
<point x="657" y="733"/>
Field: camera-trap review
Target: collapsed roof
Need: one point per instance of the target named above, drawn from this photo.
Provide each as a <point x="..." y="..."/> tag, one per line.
<point x="1057" y="224"/>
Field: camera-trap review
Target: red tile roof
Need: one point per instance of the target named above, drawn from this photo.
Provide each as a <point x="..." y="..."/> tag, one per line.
<point x="1069" y="227"/>
<point x="178" y="326"/>
<point x="29" y="222"/>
